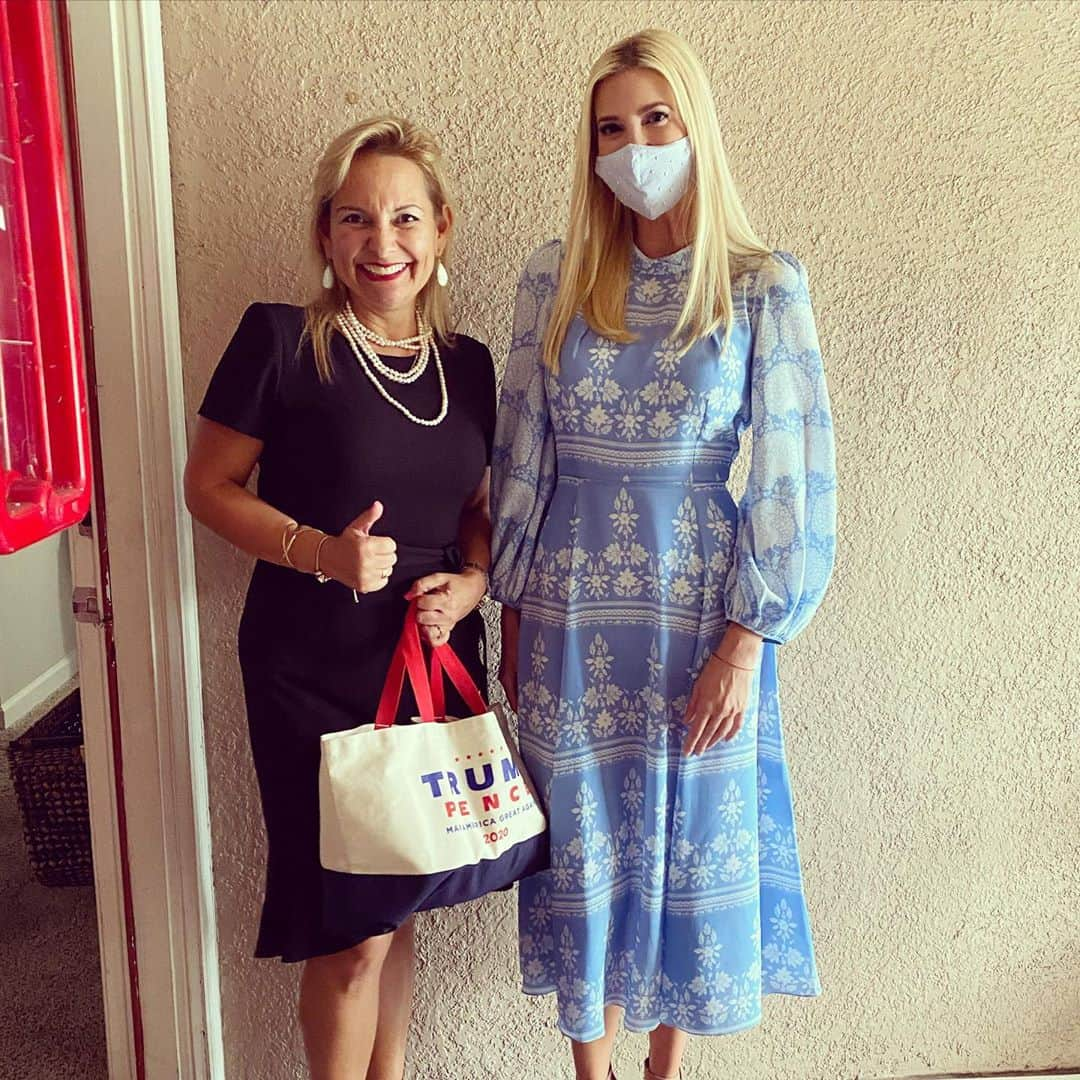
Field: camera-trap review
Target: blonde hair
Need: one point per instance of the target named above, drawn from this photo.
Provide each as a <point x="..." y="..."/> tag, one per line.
<point x="393" y="137"/>
<point x="595" y="272"/>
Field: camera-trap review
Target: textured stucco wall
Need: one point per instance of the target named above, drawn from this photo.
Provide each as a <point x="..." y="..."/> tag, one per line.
<point x="921" y="159"/>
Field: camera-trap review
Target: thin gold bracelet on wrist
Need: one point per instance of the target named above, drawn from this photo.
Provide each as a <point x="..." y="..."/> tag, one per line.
<point x="287" y="544"/>
<point x="287" y="536"/>
<point x="725" y="660"/>
<point x="320" y="577"/>
<point x="470" y="565"/>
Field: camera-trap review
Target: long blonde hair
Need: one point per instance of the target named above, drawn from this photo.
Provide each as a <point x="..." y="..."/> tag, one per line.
<point x="394" y="137"/>
<point x="595" y="272"/>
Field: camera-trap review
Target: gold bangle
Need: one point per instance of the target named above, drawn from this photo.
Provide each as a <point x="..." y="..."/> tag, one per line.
<point x="288" y="545"/>
<point x="290" y="527"/>
<point x="725" y="660"/>
<point x="320" y="577"/>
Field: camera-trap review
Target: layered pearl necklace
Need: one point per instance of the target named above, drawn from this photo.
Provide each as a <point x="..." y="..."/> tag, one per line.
<point x="363" y="341"/>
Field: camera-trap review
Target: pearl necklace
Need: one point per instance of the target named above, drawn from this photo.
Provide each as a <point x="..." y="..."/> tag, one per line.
<point x="360" y="338"/>
<point x="368" y="338"/>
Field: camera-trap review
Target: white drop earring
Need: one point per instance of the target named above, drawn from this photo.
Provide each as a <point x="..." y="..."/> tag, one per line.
<point x="441" y="276"/>
<point x="328" y="276"/>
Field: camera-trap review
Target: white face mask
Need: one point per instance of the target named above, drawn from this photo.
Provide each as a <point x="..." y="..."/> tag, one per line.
<point x="649" y="180"/>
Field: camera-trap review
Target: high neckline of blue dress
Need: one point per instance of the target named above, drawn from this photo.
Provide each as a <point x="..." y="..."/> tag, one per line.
<point x="665" y="265"/>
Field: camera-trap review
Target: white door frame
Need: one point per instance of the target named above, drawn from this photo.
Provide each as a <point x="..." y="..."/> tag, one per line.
<point x="146" y="759"/>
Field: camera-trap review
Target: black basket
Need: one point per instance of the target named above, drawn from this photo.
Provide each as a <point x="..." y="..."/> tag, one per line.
<point x="49" y="776"/>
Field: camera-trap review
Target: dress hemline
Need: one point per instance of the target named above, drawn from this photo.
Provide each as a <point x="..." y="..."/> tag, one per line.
<point x="643" y="1027"/>
<point x="289" y="958"/>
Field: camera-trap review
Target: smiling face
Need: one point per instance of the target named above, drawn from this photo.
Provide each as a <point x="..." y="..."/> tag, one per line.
<point x="635" y="106"/>
<point x="383" y="236"/>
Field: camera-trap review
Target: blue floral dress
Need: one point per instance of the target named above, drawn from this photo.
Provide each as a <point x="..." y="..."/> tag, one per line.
<point x="675" y="888"/>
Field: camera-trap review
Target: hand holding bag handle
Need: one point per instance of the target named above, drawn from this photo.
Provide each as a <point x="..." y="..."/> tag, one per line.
<point x="430" y="693"/>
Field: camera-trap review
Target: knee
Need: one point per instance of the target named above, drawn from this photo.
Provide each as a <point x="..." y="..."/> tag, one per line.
<point x="353" y="970"/>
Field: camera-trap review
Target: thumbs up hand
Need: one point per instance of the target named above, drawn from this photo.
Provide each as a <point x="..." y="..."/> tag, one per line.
<point x="356" y="558"/>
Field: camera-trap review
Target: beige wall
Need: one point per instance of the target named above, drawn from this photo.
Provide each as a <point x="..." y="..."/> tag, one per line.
<point x="37" y="629"/>
<point x="921" y="159"/>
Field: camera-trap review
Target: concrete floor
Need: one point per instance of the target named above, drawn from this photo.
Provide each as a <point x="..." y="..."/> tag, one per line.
<point x="51" y="1020"/>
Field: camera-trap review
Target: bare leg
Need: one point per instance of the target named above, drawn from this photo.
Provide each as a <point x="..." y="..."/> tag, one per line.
<point x="339" y="1008"/>
<point x="666" y="1046"/>
<point x="592" y="1060"/>
<point x="395" y="1007"/>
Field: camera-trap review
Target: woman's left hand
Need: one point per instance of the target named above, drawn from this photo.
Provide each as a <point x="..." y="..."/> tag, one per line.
<point x="717" y="704"/>
<point x="443" y="600"/>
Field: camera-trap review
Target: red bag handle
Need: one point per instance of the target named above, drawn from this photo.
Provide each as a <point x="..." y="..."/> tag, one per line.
<point x="444" y="659"/>
<point x="408" y="659"/>
<point x="429" y="689"/>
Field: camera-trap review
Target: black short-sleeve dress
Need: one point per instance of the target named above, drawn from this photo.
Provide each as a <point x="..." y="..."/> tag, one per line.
<point x="313" y="659"/>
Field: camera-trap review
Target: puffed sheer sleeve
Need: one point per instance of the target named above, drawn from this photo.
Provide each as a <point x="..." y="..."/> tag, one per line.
<point x="523" y="468"/>
<point x="787" y="518"/>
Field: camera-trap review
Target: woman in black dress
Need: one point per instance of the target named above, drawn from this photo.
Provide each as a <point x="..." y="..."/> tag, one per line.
<point x="371" y="425"/>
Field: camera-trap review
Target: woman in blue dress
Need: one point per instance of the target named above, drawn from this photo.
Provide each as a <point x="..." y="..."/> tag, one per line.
<point x="642" y="607"/>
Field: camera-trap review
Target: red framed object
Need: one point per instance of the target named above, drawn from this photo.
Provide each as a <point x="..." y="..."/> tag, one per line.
<point x="44" y="421"/>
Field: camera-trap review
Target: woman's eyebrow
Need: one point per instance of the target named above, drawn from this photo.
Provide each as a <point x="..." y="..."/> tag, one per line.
<point x="363" y="210"/>
<point x="644" y="109"/>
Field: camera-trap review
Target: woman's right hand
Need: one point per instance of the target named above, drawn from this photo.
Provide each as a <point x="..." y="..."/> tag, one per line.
<point x="356" y="558"/>
<point x="508" y="662"/>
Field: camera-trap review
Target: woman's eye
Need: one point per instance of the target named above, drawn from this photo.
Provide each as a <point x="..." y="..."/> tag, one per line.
<point x="352" y="219"/>
<point x="407" y="219"/>
<point x="656" y="117"/>
<point x="608" y="129"/>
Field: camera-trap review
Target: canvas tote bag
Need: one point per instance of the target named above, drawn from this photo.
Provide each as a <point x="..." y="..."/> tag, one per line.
<point x="442" y="794"/>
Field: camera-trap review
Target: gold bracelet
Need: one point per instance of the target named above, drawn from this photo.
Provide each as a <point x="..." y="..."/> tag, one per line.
<point x="320" y="577"/>
<point x="725" y="660"/>
<point x="288" y="545"/>
<point x="285" y="535"/>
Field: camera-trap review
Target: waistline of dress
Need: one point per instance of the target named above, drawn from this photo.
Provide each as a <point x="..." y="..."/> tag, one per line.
<point x="642" y="479"/>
